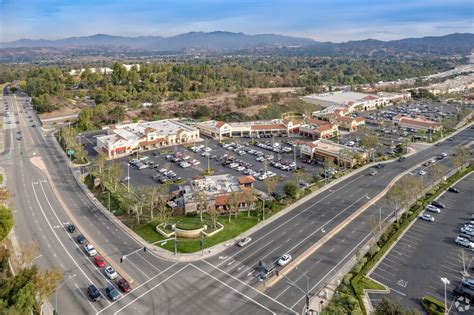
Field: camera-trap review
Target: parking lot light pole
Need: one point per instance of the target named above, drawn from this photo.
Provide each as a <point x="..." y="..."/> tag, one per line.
<point x="56" y="292"/>
<point x="445" y="282"/>
<point x="128" y="177"/>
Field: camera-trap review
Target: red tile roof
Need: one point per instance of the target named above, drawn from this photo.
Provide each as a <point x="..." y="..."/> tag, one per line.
<point x="219" y="124"/>
<point x="246" y="179"/>
<point x="421" y="121"/>
<point x="371" y="97"/>
<point x="157" y="140"/>
<point x="359" y="119"/>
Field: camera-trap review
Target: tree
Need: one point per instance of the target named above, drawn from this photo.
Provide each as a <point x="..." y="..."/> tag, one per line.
<point x="291" y="189"/>
<point x="6" y="221"/>
<point x="329" y="166"/>
<point x="46" y="282"/>
<point x="270" y="184"/>
<point x="4" y="195"/>
<point x="396" y="199"/>
<point x="119" y="73"/>
<point x="200" y="198"/>
<point x="437" y="171"/>
<point x="462" y="155"/>
<point x="99" y="162"/>
<point x="249" y="197"/>
<point x="17" y="293"/>
<point x="202" y="111"/>
<point x="29" y="252"/>
<point x="389" y="307"/>
<point x="84" y="120"/>
<point x="213" y="214"/>
<point x="370" y="141"/>
<point x="115" y="174"/>
<point x="233" y="201"/>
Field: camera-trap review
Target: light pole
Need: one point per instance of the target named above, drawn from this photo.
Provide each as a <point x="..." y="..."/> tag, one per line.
<point x="445" y="282"/>
<point x="56" y="292"/>
<point x="305" y="292"/>
<point x="128" y="176"/>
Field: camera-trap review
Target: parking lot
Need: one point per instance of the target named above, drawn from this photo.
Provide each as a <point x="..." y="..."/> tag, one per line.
<point x="264" y="159"/>
<point x="427" y="252"/>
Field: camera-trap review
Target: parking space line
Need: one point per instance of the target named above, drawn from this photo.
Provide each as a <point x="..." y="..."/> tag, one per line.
<point x="380" y="276"/>
<point x="392" y="261"/>
<point x="385" y="271"/>
<point x="387" y="265"/>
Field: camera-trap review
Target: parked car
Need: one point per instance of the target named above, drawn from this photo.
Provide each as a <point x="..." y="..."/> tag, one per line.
<point x="469" y="283"/>
<point x="453" y="189"/>
<point x="90" y="250"/>
<point x="463" y="242"/>
<point x="422" y="172"/>
<point x="427" y="217"/>
<point x="110" y="273"/>
<point x="284" y="260"/>
<point x="124" y="285"/>
<point x="244" y="241"/>
<point x="112" y="292"/>
<point x="433" y="209"/>
<point x="94" y="293"/>
<point x="438" y="204"/>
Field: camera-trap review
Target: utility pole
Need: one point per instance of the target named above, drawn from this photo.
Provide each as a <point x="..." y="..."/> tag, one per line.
<point x="128" y="177"/>
<point x="56" y="293"/>
<point x="445" y="282"/>
<point x="175" y="243"/>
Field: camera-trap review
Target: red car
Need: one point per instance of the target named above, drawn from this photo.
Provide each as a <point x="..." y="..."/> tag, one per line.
<point x="99" y="262"/>
<point x="124" y="285"/>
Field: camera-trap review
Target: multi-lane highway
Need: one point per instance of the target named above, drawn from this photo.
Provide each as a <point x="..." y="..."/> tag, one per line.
<point x="224" y="283"/>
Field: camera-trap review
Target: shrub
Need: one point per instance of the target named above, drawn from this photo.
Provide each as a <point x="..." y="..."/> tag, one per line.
<point x="374" y="250"/>
<point x="347" y="279"/>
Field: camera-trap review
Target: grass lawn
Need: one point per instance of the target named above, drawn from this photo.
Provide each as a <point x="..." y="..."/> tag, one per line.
<point x="231" y="230"/>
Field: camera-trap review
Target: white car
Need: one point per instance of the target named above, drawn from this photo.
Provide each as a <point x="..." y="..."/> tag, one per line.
<point x="111" y="273"/>
<point x="422" y="172"/>
<point x="244" y="241"/>
<point x="444" y="154"/>
<point x="262" y="177"/>
<point x="433" y="209"/>
<point x="284" y="260"/>
<point x="467" y="231"/>
<point x="184" y="164"/>
<point x="90" y="250"/>
<point x="427" y="217"/>
<point x="463" y="242"/>
<point x="240" y="168"/>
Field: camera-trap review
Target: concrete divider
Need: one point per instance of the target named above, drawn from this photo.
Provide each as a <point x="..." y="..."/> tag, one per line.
<point x="272" y="281"/>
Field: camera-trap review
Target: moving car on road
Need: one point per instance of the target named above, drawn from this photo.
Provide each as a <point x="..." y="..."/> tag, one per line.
<point x="71" y="228"/>
<point x="373" y="172"/>
<point x="244" y="241"/>
<point x="94" y="293"/>
<point x="427" y="217"/>
<point x="111" y="273"/>
<point x="453" y="189"/>
<point x="81" y="239"/>
<point x="90" y="250"/>
<point x="284" y="260"/>
<point x="422" y="172"/>
<point x="99" y="262"/>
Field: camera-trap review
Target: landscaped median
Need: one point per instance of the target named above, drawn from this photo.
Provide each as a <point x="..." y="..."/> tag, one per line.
<point x="350" y="292"/>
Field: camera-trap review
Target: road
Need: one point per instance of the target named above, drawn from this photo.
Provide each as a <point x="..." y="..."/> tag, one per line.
<point x="225" y="283"/>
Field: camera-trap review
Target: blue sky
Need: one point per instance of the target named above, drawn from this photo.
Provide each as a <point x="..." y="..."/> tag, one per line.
<point x="324" y="20"/>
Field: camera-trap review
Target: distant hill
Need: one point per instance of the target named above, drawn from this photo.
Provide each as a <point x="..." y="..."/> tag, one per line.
<point x="222" y="42"/>
<point x="193" y="40"/>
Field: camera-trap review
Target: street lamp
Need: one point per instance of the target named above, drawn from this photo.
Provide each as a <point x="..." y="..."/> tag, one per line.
<point x="56" y="292"/>
<point x="445" y="282"/>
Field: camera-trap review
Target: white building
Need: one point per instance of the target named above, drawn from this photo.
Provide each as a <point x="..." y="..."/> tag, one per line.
<point x="126" y="139"/>
<point x="355" y="101"/>
<point x="219" y="129"/>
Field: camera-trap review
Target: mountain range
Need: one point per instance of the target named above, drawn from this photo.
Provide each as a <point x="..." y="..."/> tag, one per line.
<point x="267" y="43"/>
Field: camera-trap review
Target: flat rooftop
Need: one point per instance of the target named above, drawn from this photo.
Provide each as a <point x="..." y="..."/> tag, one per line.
<point x="338" y="97"/>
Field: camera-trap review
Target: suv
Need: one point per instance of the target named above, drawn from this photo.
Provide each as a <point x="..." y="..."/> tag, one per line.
<point x="71" y="228"/>
<point x="94" y="293"/>
<point x="112" y="292"/>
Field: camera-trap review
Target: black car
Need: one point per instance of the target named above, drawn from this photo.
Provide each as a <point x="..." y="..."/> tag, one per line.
<point x="402" y="158"/>
<point x="112" y="292"/>
<point x="380" y="165"/>
<point x="94" y="293"/>
<point x="438" y="204"/>
<point x="453" y="189"/>
<point x="81" y="239"/>
<point x="71" y="228"/>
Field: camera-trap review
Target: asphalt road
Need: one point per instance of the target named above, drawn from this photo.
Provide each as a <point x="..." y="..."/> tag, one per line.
<point x="427" y="252"/>
<point x="162" y="286"/>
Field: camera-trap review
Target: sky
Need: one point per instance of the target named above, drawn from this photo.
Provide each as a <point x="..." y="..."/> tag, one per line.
<point x="322" y="20"/>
